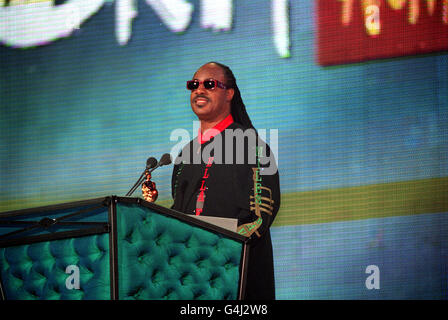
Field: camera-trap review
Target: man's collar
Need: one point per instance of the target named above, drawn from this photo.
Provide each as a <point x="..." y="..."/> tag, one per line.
<point x="210" y="133"/>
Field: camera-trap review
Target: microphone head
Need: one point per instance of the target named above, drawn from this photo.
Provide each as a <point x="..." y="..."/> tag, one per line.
<point x="165" y="159"/>
<point x="151" y="163"/>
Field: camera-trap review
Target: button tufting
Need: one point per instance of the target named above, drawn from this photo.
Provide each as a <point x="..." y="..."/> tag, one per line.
<point x="197" y="294"/>
<point x="137" y="292"/>
<point x="19" y="276"/>
<point x="168" y="292"/>
<point x="146" y="221"/>
<point x="183" y="278"/>
<point x="158" y="240"/>
<point x="33" y="293"/>
<point x="154" y="277"/>
<point x="214" y="276"/>
<point x="128" y="237"/>
<point x="184" y="262"/>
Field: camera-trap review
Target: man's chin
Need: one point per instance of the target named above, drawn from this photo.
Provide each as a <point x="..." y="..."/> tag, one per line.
<point x="200" y="105"/>
<point x="204" y="116"/>
<point x="200" y="110"/>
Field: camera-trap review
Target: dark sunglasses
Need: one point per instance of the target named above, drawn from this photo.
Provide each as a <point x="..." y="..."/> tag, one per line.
<point x="209" y="84"/>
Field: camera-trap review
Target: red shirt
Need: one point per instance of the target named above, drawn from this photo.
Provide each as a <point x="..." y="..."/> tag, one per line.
<point x="220" y="127"/>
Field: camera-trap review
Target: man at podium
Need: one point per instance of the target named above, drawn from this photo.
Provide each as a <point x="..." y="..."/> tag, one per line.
<point x="229" y="171"/>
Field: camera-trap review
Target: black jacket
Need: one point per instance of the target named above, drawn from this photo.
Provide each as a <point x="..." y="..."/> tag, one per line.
<point x="205" y="180"/>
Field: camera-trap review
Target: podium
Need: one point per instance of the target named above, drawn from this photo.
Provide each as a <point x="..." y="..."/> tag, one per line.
<point x="118" y="248"/>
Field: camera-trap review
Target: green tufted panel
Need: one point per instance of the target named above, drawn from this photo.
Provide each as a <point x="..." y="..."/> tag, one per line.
<point x="160" y="257"/>
<point x="37" y="271"/>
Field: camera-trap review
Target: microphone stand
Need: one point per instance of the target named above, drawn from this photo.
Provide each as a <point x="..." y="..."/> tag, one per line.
<point x="139" y="181"/>
<point x="165" y="159"/>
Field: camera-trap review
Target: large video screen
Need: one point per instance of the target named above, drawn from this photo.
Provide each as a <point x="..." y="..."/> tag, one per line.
<point x="89" y="89"/>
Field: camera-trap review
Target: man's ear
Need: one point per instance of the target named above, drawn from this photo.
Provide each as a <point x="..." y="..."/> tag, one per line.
<point x="229" y="94"/>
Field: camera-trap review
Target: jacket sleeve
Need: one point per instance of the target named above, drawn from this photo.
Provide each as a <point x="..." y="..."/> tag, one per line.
<point x="263" y="194"/>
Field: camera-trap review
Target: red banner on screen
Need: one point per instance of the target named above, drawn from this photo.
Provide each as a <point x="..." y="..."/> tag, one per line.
<point x="359" y="30"/>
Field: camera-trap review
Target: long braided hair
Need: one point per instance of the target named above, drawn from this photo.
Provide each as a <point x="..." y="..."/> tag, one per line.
<point x="238" y="109"/>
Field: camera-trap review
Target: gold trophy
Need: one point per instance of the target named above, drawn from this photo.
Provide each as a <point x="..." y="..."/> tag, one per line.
<point x="149" y="190"/>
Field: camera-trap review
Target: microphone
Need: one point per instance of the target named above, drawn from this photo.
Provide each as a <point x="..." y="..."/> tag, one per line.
<point x="165" y="159"/>
<point x="150" y="163"/>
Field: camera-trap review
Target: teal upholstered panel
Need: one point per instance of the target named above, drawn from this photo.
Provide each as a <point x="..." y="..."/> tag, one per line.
<point x="37" y="271"/>
<point x="164" y="258"/>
